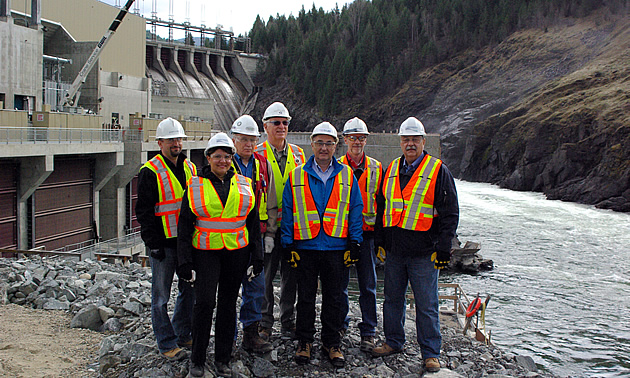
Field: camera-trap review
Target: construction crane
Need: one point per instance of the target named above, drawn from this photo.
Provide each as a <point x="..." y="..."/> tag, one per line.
<point x="73" y="94"/>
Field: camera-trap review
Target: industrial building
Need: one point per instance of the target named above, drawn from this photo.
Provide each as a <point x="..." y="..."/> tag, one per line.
<point x="70" y="172"/>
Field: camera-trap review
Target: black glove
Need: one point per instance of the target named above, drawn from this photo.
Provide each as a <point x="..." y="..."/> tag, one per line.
<point x="184" y="272"/>
<point x="441" y="259"/>
<point x="353" y="254"/>
<point x="258" y="266"/>
<point x="158" y="253"/>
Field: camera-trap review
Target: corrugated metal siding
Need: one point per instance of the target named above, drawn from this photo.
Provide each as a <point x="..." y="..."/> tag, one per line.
<point x="64" y="205"/>
<point x="8" y="204"/>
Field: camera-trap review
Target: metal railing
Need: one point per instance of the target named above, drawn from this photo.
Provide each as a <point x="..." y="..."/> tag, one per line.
<point x="40" y="135"/>
<point x="112" y="246"/>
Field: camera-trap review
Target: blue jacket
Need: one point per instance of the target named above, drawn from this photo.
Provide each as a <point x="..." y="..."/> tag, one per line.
<point x="321" y="192"/>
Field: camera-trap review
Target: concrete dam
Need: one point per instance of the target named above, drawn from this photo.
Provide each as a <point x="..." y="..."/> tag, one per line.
<point x="215" y="79"/>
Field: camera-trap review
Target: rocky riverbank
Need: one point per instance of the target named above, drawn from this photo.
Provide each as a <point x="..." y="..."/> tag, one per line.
<point x="115" y="300"/>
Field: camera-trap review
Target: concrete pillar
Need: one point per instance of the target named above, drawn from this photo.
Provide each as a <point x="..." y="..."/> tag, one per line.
<point x="112" y="197"/>
<point x="106" y="167"/>
<point x="33" y="172"/>
<point x="5" y="8"/>
<point x="36" y="13"/>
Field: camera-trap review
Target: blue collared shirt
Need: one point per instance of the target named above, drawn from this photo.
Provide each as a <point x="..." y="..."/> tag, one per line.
<point x="323" y="174"/>
<point x="414" y="165"/>
<point x="246" y="170"/>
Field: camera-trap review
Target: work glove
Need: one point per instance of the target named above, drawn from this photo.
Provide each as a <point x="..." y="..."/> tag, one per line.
<point x="441" y="259"/>
<point x="186" y="272"/>
<point x="157" y="253"/>
<point x="380" y="254"/>
<point x="254" y="270"/>
<point x="269" y="244"/>
<point x="291" y="255"/>
<point x="352" y="255"/>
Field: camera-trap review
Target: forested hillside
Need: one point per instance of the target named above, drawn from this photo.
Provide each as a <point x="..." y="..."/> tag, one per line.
<point x="531" y="95"/>
<point x="368" y="49"/>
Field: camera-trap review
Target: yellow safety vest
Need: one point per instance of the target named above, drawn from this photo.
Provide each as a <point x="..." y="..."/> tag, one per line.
<point x="219" y="226"/>
<point x="368" y="183"/>
<point x="306" y="219"/>
<point x="295" y="158"/>
<point x="411" y="208"/>
<point x="170" y="192"/>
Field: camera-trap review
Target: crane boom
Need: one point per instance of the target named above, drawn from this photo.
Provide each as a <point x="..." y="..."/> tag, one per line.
<point x="72" y="96"/>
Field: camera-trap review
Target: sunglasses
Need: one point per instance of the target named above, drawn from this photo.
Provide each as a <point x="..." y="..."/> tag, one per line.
<point x="278" y="123"/>
<point x="354" y="138"/>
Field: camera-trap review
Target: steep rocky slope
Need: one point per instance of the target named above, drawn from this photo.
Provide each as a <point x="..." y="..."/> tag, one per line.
<point x="546" y="110"/>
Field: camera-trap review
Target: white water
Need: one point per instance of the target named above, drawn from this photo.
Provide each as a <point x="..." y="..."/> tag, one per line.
<point x="561" y="283"/>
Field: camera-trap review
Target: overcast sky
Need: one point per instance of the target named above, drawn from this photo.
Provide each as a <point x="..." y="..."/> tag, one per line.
<point x="237" y="15"/>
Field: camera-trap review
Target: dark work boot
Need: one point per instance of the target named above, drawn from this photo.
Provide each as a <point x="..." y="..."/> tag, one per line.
<point x="252" y="342"/>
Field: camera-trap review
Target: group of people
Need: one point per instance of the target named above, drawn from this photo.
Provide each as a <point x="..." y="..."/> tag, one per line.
<point x="255" y="209"/>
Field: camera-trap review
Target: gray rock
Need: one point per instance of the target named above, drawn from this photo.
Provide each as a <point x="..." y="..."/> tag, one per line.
<point x="54" y="304"/>
<point x="526" y="362"/>
<point x="27" y="287"/>
<point x="112" y="325"/>
<point x="105" y="313"/>
<point x="108" y="361"/>
<point x="133" y="307"/>
<point x="263" y="368"/>
<point x="88" y="318"/>
<point x="384" y="371"/>
<point x="135" y="350"/>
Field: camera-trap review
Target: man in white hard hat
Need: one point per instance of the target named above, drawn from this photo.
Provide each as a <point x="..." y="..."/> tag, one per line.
<point x="283" y="157"/>
<point x="253" y="165"/>
<point x="161" y="185"/>
<point x="369" y="173"/>
<point x="321" y="236"/>
<point x="419" y="223"/>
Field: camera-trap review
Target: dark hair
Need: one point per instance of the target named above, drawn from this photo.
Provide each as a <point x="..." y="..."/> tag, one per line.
<point x="224" y="149"/>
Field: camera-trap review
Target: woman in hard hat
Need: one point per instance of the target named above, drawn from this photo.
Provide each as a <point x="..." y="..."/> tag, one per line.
<point x="218" y="234"/>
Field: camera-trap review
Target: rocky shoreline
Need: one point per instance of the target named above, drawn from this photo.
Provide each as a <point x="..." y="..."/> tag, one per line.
<point x="115" y="299"/>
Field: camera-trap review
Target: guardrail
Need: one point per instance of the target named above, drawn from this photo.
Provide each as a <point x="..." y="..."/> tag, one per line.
<point x="41" y="135"/>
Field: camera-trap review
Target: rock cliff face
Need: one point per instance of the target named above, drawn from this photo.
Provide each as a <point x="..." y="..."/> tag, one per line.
<point x="546" y="110"/>
<point x="568" y="139"/>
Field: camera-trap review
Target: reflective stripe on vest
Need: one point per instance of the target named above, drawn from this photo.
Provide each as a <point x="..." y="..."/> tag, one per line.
<point x="219" y="227"/>
<point x="295" y="158"/>
<point x="306" y="219"/>
<point x="261" y="198"/>
<point x="170" y="192"/>
<point x="411" y="209"/>
<point x="368" y="183"/>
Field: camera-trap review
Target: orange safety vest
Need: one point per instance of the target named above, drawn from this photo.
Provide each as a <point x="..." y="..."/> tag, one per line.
<point x="411" y="209"/>
<point x="295" y="158"/>
<point x="306" y="219"/>
<point x="219" y="226"/>
<point x="368" y="183"/>
<point x="170" y="192"/>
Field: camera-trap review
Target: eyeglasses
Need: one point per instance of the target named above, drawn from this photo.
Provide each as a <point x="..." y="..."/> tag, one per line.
<point x="321" y="144"/>
<point x="278" y="123"/>
<point x="246" y="140"/>
<point x="172" y="140"/>
<point x="221" y="157"/>
<point x="415" y="140"/>
<point x="354" y="138"/>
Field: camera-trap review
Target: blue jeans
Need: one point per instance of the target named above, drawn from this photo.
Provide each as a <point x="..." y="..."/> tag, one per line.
<point x="253" y="293"/>
<point x="421" y="273"/>
<point x="168" y="333"/>
<point x="366" y="275"/>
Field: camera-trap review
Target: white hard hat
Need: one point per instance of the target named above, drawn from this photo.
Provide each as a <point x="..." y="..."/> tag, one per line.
<point x="245" y="125"/>
<point x="277" y="109"/>
<point x="355" y="126"/>
<point x="411" y="126"/>
<point x="169" y="128"/>
<point x="325" y="128"/>
<point x="220" y="140"/>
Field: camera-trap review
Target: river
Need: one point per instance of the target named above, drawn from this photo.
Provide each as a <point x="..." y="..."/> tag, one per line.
<point x="561" y="283"/>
